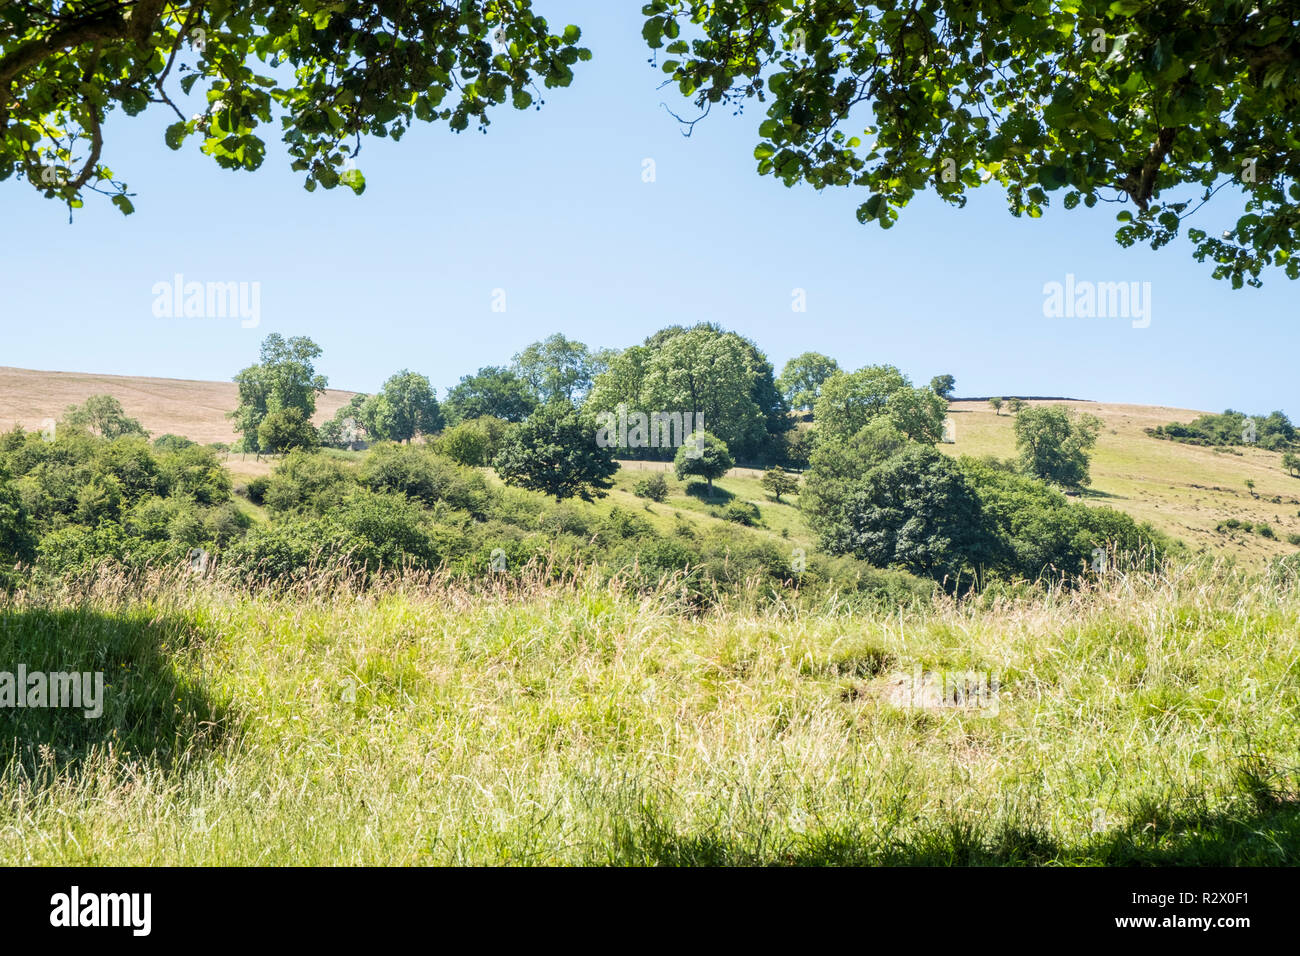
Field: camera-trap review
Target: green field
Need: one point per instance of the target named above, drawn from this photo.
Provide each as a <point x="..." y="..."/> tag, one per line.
<point x="1145" y="722"/>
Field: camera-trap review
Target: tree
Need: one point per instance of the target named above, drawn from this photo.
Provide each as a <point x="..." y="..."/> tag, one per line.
<point x="703" y="456"/>
<point x="850" y="400"/>
<point x="474" y="442"/>
<point x="1054" y="443"/>
<point x="347" y="426"/>
<point x="706" y="370"/>
<point x="353" y="69"/>
<point x="103" y="415"/>
<point x="779" y="482"/>
<point x="556" y="368"/>
<point x="555" y="452"/>
<point x="1250" y="486"/>
<point x="494" y="391"/>
<point x="801" y="379"/>
<point x="917" y="511"/>
<point x="837" y="465"/>
<point x="466" y="444"/>
<point x="284" y="429"/>
<point x="284" y="378"/>
<point x="701" y="371"/>
<point x="1291" y="462"/>
<point x="1083" y="100"/>
<point x="1014" y="405"/>
<point x="996" y="405"/>
<point x="918" y="413"/>
<point x="942" y="385"/>
<point x="404" y="408"/>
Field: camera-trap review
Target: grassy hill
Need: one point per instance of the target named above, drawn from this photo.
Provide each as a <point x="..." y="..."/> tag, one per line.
<point x="196" y="410"/>
<point x="1184" y="490"/>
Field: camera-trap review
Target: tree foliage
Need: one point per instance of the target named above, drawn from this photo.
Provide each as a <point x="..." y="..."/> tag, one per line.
<point x="285" y="378"/>
<point x="1054" y="443"/>
<point x="406" y="406"/>
<point x="703" y="456"/>
<point x="849" y="400"/>
<point x="325" y="73"/>
<point x="494" y="391"/>
<point x="704" y="370"/>
<point x="802" y="377"/>
<point x="1157" y="104"/>
<point x="103" y="415"/>
<point x="555" y="452"/>
<point x="777" y="482"/>
<point x="556" y="368"/>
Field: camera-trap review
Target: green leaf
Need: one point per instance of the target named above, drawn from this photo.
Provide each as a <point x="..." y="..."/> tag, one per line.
<point x="1052" y="177"/>
<point x="176" y="134"/>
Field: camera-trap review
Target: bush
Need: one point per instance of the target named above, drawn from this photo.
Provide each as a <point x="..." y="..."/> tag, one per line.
<point x="286" y="429"/>
<point x="654" y="487"/>
<point x="256" y="490"/>
<point x="170" y="442"/>
<point x="307" y="482"/>
<point x="421" y="474"/>
<point x="741" y="512"/>
<point x="196" y="473"/>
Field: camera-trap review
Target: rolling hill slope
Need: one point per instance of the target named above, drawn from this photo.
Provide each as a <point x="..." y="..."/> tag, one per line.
<point x="1184" y="490"/>
<point x="196" y="410"/>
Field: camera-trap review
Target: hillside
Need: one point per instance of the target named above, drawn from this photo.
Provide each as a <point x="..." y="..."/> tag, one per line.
<point x="196" y="410"/>
<point x="1184" y="490"/>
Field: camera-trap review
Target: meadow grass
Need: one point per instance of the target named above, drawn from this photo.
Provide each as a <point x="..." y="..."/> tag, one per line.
<point x="1148" y="719"/>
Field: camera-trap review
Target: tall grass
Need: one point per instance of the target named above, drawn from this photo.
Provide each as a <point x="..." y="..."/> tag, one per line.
<point x="1144" y="718"/>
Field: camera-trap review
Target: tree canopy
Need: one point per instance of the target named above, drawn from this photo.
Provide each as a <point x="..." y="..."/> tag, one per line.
<point x="493" y="391"/>
<point x="405" y="407"/>
<point x="327" y="72"/>
<point x="556" y="368"/>
<point x="284" y="378"/>
<point x="1054" y="443"/>
<point x="103" y="415"/>
<point x="704" y="370"/>
<point x="801" y="379"/>
<point x="1155" y="105"/>
<point x="555" y="452"/>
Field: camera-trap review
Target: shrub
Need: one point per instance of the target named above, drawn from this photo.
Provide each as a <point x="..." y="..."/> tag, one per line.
<point x="741" y="512"/>
<point x="307" y="482"/>
<point x="421" y="474"/>
<point x="654" y="487"/>
<point x="170" y="442"/>
<point x="256" y="490"/>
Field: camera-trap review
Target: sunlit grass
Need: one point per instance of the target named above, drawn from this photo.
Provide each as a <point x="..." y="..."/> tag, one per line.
<point x="434" y="722"/>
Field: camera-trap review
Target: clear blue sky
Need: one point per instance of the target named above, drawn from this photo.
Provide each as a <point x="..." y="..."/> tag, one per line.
<point x="550" y="206"/>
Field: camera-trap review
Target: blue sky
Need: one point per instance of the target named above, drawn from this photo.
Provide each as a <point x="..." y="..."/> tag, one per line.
<point x="551" y="207"/>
